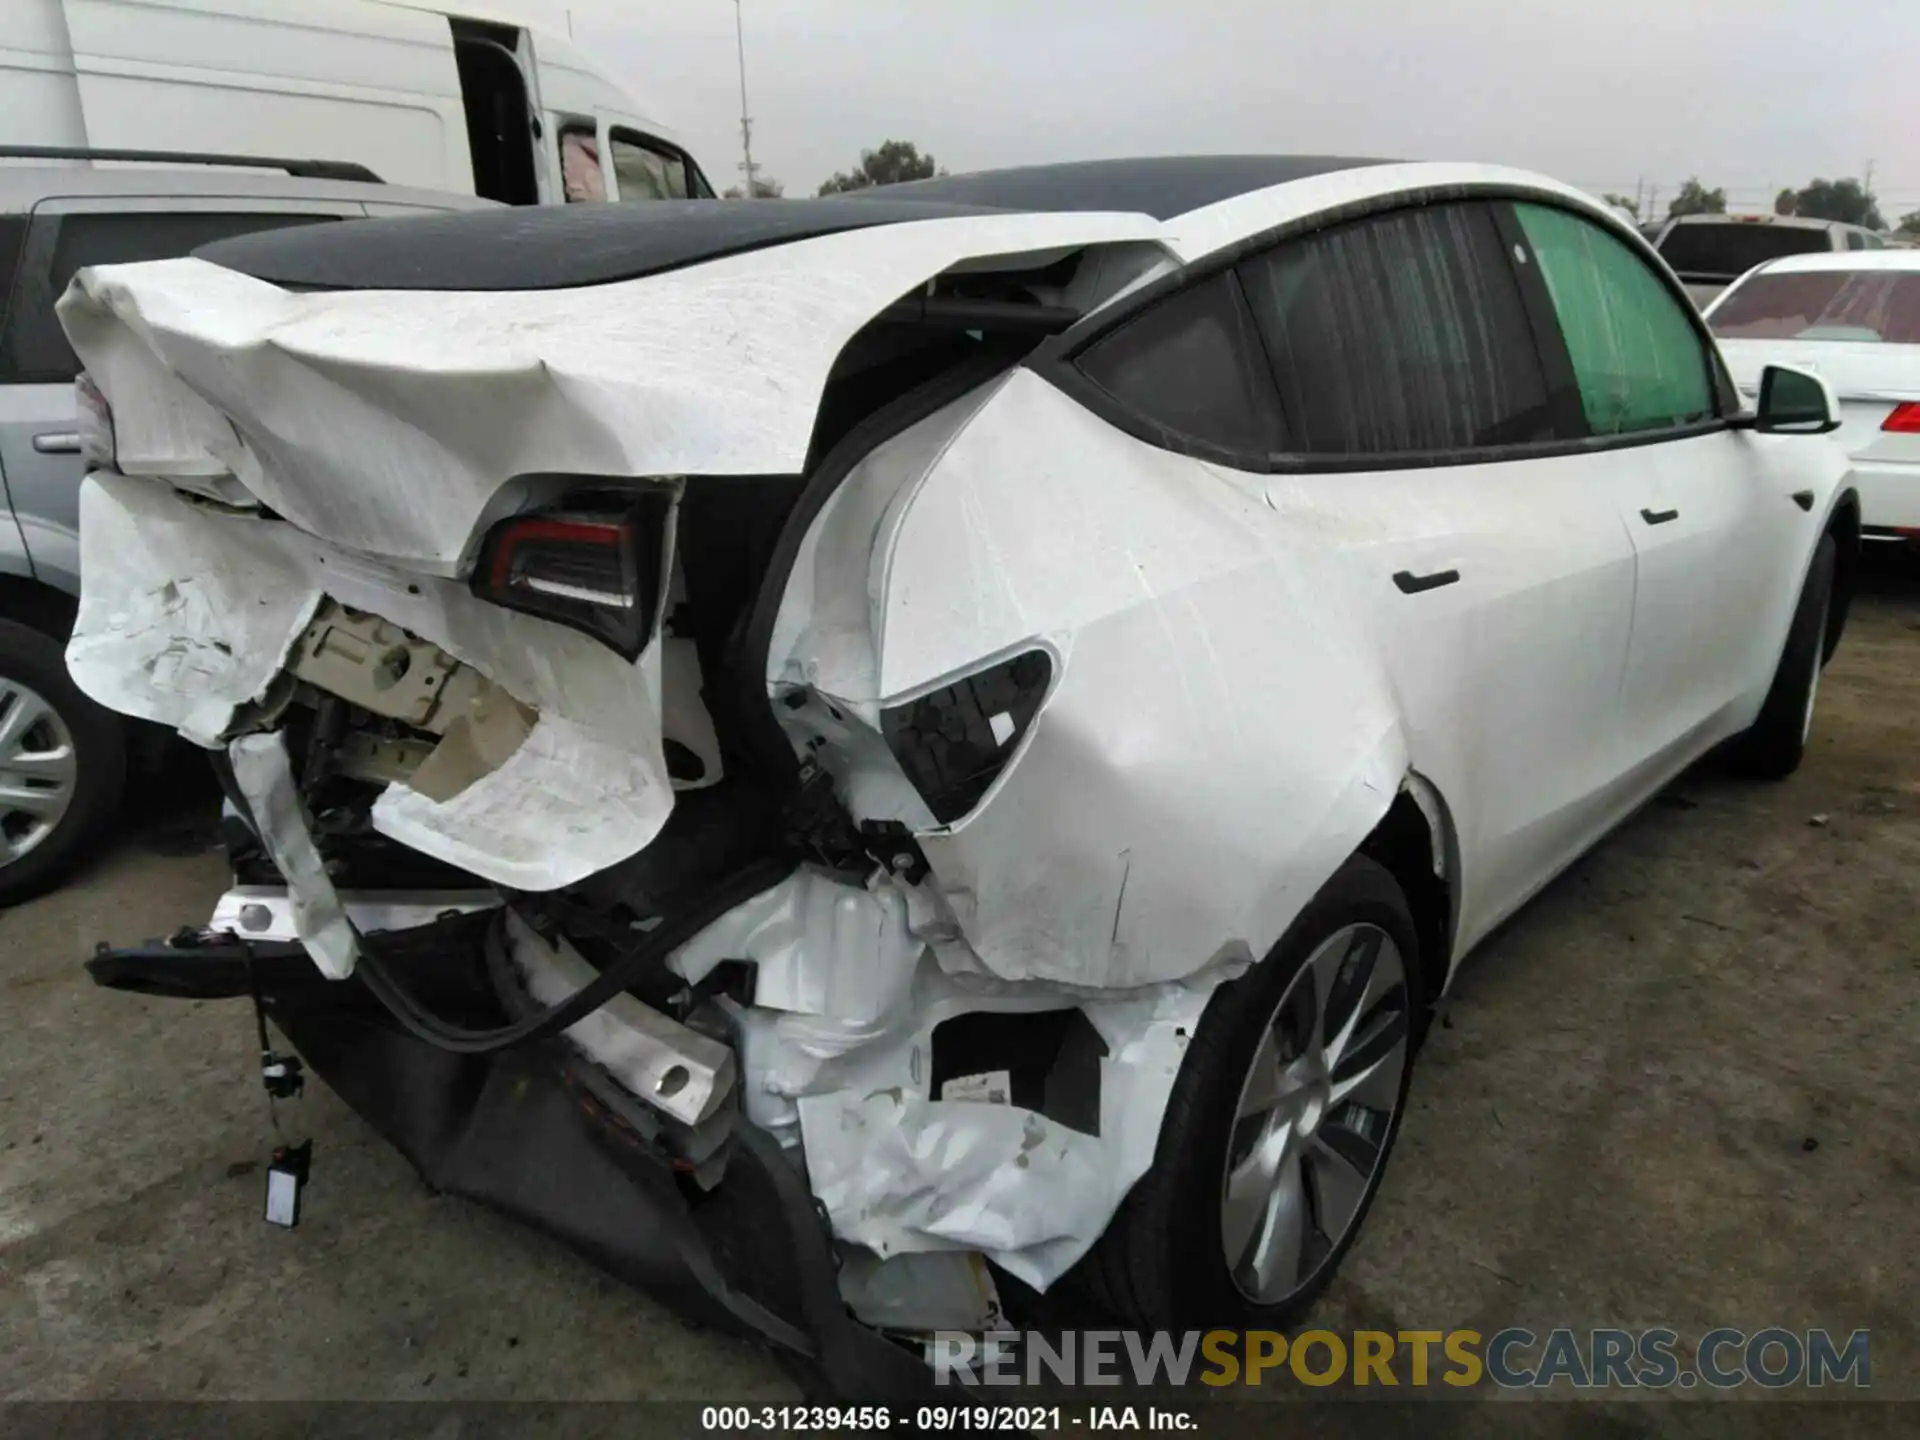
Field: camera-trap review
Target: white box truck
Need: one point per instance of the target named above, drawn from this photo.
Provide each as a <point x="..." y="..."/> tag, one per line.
<point x="447" y="96"/>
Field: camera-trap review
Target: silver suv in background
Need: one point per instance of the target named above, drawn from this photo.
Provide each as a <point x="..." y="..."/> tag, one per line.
<point x="1710" y="252"/>
<point x="63" y="759"/>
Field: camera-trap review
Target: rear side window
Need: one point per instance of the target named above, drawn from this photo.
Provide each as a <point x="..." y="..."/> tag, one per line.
<point x="1403" y="333"/>
<point x="34" y="348"/>
<point x="1725" y="251"/>
<point x="1192" y="364"/>
<point x="1858" y="305"/>
<point x="1638" y="360"/>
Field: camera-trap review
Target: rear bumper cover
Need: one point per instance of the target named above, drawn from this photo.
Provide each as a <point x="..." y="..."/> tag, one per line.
<point x="519" y="1132"/>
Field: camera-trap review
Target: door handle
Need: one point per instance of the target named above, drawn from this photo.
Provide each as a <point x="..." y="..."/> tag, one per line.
<point x="57" y="442"/>
<point x="1412" y="584"/>
<point x="1659" y="517"/>
<point x="1804" y="499"/>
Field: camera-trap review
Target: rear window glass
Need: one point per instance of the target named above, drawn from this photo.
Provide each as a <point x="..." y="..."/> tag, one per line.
<point x="1725" y="251"/>
<point x="34" y="348"/>
<point x="1193" y="364"/>
<point x="1859" y="305"/>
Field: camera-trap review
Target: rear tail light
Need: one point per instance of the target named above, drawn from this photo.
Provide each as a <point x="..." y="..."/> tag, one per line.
<point x="594" y="564"/>
<point x="954" y="742"/>
<point x="1903" y="419"/>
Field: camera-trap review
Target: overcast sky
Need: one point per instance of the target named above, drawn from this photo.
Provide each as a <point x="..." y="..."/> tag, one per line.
<point x="1751" y="95"/>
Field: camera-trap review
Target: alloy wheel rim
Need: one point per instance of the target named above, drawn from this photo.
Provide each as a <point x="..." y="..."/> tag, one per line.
<point x="1315" y="1112"/>
<point x="38" y="770"/>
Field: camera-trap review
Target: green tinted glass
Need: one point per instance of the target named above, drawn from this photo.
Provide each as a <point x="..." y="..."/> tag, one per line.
<point x="1637" y="358"/>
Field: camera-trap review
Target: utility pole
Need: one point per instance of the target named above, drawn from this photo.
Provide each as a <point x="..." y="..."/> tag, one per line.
<point x="746" y="123"/>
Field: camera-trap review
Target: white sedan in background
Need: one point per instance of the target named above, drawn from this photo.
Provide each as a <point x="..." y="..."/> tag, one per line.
<point x="1854" y="319"/>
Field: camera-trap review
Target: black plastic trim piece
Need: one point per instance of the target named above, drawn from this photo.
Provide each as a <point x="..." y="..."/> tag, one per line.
<point x="1804" y="499"/>
<point x="959" y="313"/>
<point x="1658" y="517"/>
<point x="300" y="169"/>
<point x="944" y="739"/>
<point x="1549" y="340"/>
<point x="1412" y="584"/>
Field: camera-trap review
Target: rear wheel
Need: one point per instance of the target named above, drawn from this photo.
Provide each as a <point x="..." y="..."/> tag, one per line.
<point x="1777" y="740"/>
<point x="62" y="764"/>
<point x="1278" y="1129"/>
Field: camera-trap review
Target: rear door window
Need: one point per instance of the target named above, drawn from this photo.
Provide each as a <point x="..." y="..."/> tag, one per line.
<point x="33" y="348"/>
<point x="1400" y="334"/>
<point x="1725" y="251"/>
<point x="1638" y="359"/>
<point x="1868" y="306"/>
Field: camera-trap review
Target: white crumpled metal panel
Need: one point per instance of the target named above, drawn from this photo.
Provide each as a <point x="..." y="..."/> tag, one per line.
<point x="188" y="613"/>
<point x="387" y="422"/>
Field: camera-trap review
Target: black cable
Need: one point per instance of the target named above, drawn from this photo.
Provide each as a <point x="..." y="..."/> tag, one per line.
<point x="653" y="949"/>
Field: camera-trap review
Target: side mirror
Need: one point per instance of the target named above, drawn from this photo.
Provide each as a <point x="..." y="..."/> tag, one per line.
<point x="1795" y="402"/>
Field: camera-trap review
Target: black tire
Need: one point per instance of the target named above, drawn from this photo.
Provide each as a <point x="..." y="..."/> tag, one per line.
<point x="1161" y="1263"/>
<point x="38" y="661"/>
<point x="1772" y="747"/>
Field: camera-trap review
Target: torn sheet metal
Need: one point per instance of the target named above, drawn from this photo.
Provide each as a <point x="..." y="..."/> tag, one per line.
<point x="819" y="947"/>
<point x="189" y="612"/>
<point x="265" y="776"/>
<point x="901" y="1172"/>
<point x="389" y="422"/>
<point x="1117" y="847"/>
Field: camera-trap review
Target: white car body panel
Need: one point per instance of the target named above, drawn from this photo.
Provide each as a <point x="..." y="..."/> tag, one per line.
<point x="1239" y="692"/>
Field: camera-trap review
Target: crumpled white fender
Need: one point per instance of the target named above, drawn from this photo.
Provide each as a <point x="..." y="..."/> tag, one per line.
<point x="1218" y="737"/>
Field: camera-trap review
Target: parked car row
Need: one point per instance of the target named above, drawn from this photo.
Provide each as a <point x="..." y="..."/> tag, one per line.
<point x="830" y="752"/>
<point x="1710" y="252"/>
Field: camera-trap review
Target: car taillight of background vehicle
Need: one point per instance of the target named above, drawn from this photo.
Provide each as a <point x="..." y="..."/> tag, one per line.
<point x="1903" y="419"/>
<point x="593" y="564"/>
<point x="954" y="742"/>
<point x="95" y="424"/>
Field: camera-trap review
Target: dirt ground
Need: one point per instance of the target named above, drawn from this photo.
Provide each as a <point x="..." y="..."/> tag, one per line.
<point x="1678" y="1089"/>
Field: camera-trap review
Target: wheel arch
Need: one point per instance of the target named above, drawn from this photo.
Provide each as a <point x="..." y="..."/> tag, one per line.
<point x="1418" y="845"/>
<point x="39" y="605"/>
<point x="1843" y="523"/>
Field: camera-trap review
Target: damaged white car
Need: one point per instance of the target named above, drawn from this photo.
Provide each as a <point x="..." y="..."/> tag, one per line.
<point x="839" y="754"/>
